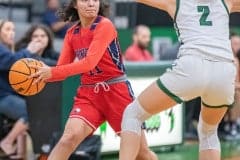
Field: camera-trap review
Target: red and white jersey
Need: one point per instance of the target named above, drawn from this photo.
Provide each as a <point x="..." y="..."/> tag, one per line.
<point x="97" y="50"/>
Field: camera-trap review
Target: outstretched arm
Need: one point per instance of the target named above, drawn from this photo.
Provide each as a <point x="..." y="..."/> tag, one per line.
<point x="233" y="5"/>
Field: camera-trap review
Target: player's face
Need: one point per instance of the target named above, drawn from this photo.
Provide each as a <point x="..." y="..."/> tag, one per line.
<point x="39" y="35"/>
<point x="7" y="33"/>
<point x="87" y="8"/>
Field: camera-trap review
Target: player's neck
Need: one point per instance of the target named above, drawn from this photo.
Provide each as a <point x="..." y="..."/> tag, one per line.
<point x="87" y="22"/>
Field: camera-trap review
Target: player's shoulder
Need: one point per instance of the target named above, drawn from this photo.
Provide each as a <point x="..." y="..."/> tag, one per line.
<point x="73" y="28"/>
<point x="106" y="22"/>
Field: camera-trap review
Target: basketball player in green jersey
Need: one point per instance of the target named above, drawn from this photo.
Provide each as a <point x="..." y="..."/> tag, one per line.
<point x="204" y="68"/>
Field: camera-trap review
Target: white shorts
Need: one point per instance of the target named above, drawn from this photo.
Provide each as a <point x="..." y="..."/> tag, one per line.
<point x="197" y="75"/>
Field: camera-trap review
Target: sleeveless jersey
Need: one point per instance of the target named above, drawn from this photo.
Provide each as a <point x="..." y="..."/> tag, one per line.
<point x="204" y="25"/>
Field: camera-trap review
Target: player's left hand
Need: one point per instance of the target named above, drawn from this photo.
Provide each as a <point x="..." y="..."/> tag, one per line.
<point x="43" y="73"/>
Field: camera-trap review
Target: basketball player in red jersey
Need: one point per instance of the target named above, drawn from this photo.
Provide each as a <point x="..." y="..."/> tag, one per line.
<point x="104" y="92"/>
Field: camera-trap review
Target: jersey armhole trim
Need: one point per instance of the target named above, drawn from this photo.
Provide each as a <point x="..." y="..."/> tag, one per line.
<point x="225" y="5"/>
<point x="177" y="8"/>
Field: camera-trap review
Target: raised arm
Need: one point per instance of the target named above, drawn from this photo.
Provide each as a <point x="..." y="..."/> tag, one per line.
<point x="234" y="5"/>
<point x="167" y="5"/>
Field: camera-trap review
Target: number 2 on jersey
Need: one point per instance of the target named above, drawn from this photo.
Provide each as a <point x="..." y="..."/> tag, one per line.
<point x="205" y="13"/>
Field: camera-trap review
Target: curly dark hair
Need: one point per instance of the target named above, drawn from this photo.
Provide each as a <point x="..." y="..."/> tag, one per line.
<point x="22" y="43"/>
<point x="69" y="13"/>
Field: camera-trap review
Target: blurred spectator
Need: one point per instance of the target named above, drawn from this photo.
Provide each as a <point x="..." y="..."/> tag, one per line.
<point x="138" y="50"/>
<point x="51" y="19"/>
<point x="12" y="105"/>
<point x="43" y="35"/>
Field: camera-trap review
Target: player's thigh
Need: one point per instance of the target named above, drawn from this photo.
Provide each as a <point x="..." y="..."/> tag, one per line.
<point x="85" y="109"/>
<point x="213" y="116"/>
<point x="78" y="129"/>
<point x="219" y="93"/>
<point x="221" y="87"/>
<point x="154" y="100"/>
<point x="180" y="83"/>
<point x="119" y="97"/>
<point x="185" y="80"/>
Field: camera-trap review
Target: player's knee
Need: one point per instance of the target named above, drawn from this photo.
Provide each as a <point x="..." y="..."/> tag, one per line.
<point x="69" y="140"/>
<point x="133" y="117"/>
<point x="208" y="138"/>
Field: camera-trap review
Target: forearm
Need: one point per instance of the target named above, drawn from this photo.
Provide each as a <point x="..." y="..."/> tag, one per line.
<point x="60" y="73"/>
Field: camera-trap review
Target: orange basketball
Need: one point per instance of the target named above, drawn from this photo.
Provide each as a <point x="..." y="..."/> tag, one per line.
<point x="18" y="77"/>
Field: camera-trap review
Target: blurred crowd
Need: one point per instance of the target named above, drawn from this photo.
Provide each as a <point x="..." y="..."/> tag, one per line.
<point x="38" y="42"/>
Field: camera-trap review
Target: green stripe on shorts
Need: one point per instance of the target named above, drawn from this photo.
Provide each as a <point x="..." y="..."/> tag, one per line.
<point x="169" y="93"/>
<point x="221" y="106"/>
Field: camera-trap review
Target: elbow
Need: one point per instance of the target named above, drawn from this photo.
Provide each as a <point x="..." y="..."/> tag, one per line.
<point x="91" y="65"/>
